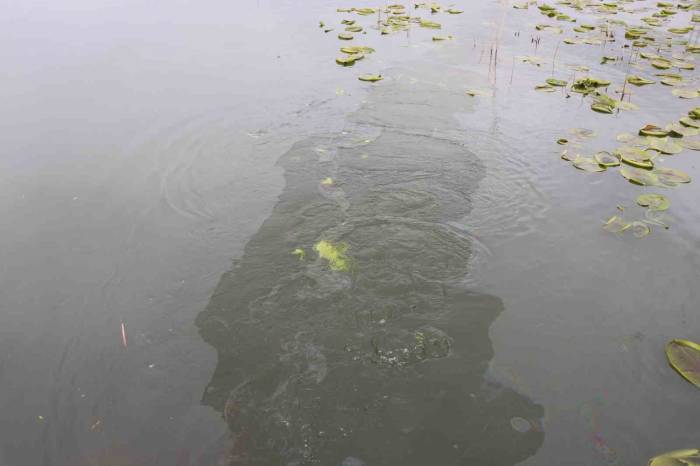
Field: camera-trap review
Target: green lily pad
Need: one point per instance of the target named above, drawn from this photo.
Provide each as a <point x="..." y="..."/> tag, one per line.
<point x="681" y="131"/>
<point x="588" y="164"/>
<point x="370" y="77"/>
<point x="638" y="158"/>
<point x="694" y="113"/>
<point x="556" y="82"/>
<point x="661" y="64"/>
<point x="639" y="176"/>
<point x="430" y="24"/>
<point x="602" y="107"/>
<point x="454" y="11"/>
<point x="349" y="60"/>
<point x="345" y="36"/>
<point x="606" y="159"/>
<point x="689" y="457"/>
<point x="684" y="357"/>
<point x="671" y="176"/>
<point x="653" y="130"/>
<point x="692" y="144"/>
<point x="334" y="254"/>
<point x="665" y="146"/>
<point x="689" y="122"/>
<point x="639" y="229"/>
<point x="562" y="141"/>
<point x="616" y="224"/>
<point x="441" y="38"/>
<point x="654" y="201"/>
<point x="352" y="50"/>
<point x="686" y="93"/>
<point x="545" y="88"/>
<point x="639" y="81"/>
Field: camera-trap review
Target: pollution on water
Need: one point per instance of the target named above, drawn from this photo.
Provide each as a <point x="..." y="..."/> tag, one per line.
<point x="265" y="233"/>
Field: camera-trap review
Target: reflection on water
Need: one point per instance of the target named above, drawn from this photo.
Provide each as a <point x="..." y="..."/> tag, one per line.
<point x="383" y="364"/>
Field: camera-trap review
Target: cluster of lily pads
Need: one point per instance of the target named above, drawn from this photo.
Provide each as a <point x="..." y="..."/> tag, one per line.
<point x="638" y="160"/>
<point x="393" y="18"/>
<point x="671" y="50"/>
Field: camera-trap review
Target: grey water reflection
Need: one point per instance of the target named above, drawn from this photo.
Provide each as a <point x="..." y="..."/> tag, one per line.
<point x="383" y="364"/>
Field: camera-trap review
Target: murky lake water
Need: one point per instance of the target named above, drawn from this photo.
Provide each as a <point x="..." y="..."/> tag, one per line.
<point x="161" y="162"/>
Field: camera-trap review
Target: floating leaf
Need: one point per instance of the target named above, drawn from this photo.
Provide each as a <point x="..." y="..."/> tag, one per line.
<point x="679" y="130"/>
<point x="634" y="156"/>
<point x="639" y="176"/>
<point x="370" y="77"/>
<point x="334" y="254"/>
<point x="661" y="63"/>
<point x="440" y="38"/>
<point x="583" y="132"/>
<point x="684" y="357"/>
<point x="685" y="121"/>
<point x="639" y="81"/>
<point x="689" y="457"/>
<point x="430" y="24"/>
<point x="478" y="92"/>
<point x="639" y="229"/>
<point x="345" y="36"/>
<point x="545" y="88"/>
<point x="352" y="50"/>
<point x="588" y="164"/>
<point x="349" y="60"/>
<point x="606" y="159"/>
<point x="653" y="130"/>
<point x="692" y="144"/>
<point x="300" y="253"/>
<point x="654" y="201"/>
<point x="454" y="11"/>
<point x="616" y="224"/>
<point x="665" y="146"/>
<point x="556" y="82"/>
<point x="686" y="93"/>
<point x="601" y="107"/>
<point x="328" y="181"/>
<point x="671" y="176"/>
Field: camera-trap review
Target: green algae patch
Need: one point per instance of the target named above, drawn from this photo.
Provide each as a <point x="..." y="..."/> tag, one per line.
<point x="334" y="254"/>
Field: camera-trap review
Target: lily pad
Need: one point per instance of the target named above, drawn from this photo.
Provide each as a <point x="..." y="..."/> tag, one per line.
<point x="588" y="164"/>
<point x="556" y="82"/>
<point x="692" y="144"/>
<point x="653" y="130"/>
<point x="685" y="121"/>
<point x="665" y="146"/>
<point x="345" y="36"/>
<point x="671" y="176"/>
<point x="681" y="131"/>
<point x="606" y="159"/>
<point x="616" y="224"/>
<point x="684" y="357"/>
<point x="661" y="64"/>
<point x="370" y="77"/>
<point x="689" y="457"/>
<point x="639" y="81"/>
<point x="639" y="229"/>
<point x="601" y="107"/>
<point x="685" y="93"/>
<point x="654" y="201"/>
<point x="349" y="60"/>
<point x="430" y="24"/>
<point x="639" y="176"/>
